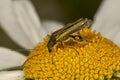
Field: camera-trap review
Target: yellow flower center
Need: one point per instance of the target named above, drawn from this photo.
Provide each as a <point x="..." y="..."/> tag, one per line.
<point x="93" y="58"/>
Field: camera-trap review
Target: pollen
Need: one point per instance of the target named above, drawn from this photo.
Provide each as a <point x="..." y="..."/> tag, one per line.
<point x="94" y="58"/>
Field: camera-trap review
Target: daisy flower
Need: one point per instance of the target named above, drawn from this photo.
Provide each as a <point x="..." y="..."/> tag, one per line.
<point x="21" y="18"/>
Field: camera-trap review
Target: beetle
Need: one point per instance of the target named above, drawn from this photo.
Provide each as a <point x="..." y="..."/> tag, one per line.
<point x="66" y="31"/>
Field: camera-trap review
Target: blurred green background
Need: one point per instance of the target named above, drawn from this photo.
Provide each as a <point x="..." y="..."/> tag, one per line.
<point x="60" y="10"/>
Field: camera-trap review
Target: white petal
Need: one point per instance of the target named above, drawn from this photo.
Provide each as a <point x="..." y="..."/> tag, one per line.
<point x="107" y="20"/>
<point x="19" y="19"/>
<point x="9" y="58"/>
<point x="12" y="75"/>
<point x="51" y="26"/>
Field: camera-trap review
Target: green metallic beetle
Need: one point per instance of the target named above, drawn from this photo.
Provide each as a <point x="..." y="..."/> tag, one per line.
<point x="66" y="32"/>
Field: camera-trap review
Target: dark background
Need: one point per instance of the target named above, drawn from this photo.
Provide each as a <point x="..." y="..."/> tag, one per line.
<point x="60" y="10"/>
